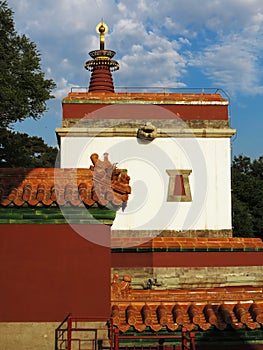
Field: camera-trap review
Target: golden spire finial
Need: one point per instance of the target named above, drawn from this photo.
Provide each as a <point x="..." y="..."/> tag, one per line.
<point x="102" y="29"/>
<point x="101" y="64"/>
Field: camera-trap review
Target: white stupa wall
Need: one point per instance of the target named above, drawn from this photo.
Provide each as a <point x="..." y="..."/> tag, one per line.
<point x="147" y="162"/>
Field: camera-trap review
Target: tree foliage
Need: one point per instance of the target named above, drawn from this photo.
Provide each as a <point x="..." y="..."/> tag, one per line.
<point x="23" y="93"/>
<point x="21" y="150"/>
<point x="247" y="197"/>
<point x="23" y="87"/>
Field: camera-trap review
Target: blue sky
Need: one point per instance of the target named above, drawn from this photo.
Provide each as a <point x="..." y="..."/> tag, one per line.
<point x="167" y="43"/>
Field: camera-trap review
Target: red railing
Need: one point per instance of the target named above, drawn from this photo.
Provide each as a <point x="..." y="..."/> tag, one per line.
<point x="187" y="340"/>
<point x="76" y="333"/>
<point x="159" y="89"/>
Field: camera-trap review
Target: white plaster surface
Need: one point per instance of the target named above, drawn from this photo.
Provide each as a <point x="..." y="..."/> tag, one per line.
<point x="146" y="162"/>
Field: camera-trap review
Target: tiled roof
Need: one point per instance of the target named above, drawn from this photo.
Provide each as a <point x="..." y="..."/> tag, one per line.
<point x="173" y="244"/>
<point x="102" y="184"/>
<point x="219" y="308"/>
<point x="145" y="96"/>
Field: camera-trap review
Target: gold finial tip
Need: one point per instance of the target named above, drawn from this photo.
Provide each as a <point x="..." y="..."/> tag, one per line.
<point x="102" y="28"/>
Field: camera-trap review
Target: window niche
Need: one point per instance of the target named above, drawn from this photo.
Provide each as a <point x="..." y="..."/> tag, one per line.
<point x="179" y="186"/>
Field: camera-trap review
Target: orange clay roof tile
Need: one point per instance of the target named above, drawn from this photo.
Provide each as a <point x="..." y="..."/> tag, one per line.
<point x="101" y="184"/>
<point x="222" y="308"/>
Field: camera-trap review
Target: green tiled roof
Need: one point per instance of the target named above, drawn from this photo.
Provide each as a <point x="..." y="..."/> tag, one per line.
<point x="55" y="215"/>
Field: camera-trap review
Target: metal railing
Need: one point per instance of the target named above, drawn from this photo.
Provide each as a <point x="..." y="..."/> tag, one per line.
<point x="61" y="340"/>
<point x="188" y="340"/>
<point x="76" y="333"/>
<point x="158" y="342"/>
<point x="80" y="333"/>
<point x="159" y="89"/>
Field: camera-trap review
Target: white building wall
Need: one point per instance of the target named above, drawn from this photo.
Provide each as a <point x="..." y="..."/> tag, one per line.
<point x="148" y="209"/>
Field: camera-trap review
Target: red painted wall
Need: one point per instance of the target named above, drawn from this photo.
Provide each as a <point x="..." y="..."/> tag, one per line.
<point x="48" y="271"/>
<point x="133" y="111"/>
<point x="186" y="259"/>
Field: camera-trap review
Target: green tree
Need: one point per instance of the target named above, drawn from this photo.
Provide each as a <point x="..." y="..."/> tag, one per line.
<point x="20" y="150"/>
<point x="257" y="168"/>
<point x="247" y="197"/>
<point x="24" y="89"/>
<point x="23" y="93"/>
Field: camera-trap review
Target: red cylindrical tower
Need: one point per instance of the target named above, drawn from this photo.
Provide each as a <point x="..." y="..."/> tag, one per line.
<point x="101" y="65"/>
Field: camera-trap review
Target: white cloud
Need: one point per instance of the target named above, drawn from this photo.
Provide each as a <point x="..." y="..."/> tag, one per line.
<point x="63" y="88"/>
<point x="171" y="43"/>
<point x="233" y="63"/>
<point x="184" y="41"/>
<point x="151" y="39"/>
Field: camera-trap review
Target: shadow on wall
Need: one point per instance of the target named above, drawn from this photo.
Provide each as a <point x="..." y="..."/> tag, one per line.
<point x="241" y="339"/>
